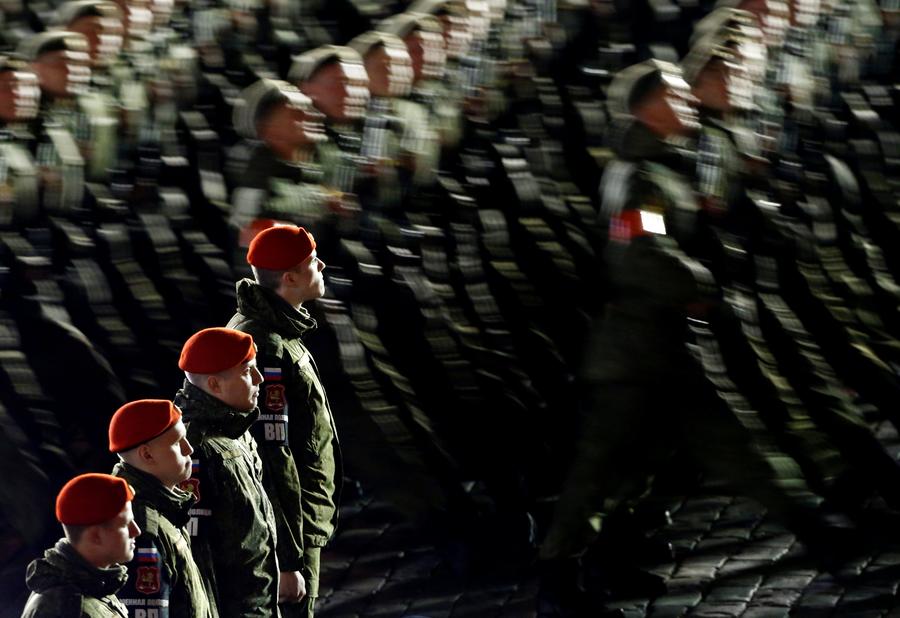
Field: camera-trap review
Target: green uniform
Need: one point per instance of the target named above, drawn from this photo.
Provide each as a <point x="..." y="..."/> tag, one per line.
<point x="232" y="525"/>
<point x="295" y="430"/>
<point x="64" y="585"/>
<point x="163" y="574"/>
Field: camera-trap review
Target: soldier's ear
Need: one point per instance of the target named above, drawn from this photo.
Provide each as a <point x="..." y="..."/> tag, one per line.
<point x="212" y="383"/>
<point x="145" y="453"/>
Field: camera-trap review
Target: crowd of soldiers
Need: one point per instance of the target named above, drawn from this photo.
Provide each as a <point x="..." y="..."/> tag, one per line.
<point x="570" y="245"/>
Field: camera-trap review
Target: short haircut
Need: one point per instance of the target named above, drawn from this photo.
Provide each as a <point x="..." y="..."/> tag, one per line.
<point x="270" y="279"/>
<point x="74" y="533"/>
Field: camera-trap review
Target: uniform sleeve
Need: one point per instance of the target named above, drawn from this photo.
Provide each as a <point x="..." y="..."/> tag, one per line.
<point x="280" y="477"/>
<point x="225" y="525"/>
<point x="146" y="593"/>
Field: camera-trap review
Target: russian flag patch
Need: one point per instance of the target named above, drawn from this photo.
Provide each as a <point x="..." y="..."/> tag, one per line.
<point x="271" y="373"/>
<point x="147" y="554"/>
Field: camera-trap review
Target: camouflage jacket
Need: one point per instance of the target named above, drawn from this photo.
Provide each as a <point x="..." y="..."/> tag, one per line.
<point x="163" y="574"/>
<point x="296" y="429"/>
<point x="232" y="526"/>
<point x="64" y="585"/>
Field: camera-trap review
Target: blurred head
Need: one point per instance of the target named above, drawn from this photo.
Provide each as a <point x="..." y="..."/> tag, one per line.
<point x="61" y="62"/>
<point x="279" y="115"/>
<point x="20" y="93"/>
<point x="656" y="95"/>
<point x="95" y="511"/>
<point x="424" y="40"/>
<point x="335" y="79"/>
<point x="386" y="61"/>
<point x="100" y="22"/>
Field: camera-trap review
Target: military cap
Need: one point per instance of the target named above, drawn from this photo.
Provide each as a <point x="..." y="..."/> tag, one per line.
<point x="437" y="7"/>
<point x="257" y="100"/>
<point x="213" y="350"/>
<point x="721" y="19"/>
<point x="91" y="499"/>
<point x="633" y="83"/>
<point x="46" y="42"/>
<point x="280" y="247"/>
<point x="307" y="63"/>
<point x="74" y="9"/>
<point x="140" y="421"/>
<point x="367" y="40"/>
<point x="713" y="45"/>
<point x="402" y="24"/>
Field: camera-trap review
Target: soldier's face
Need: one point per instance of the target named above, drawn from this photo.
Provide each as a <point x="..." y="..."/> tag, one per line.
<point x="103" y="34"/>
<point x="427" y="54"/>
<point x="20" y="96"/>
<point x="238" y="387"/>
<point x="389" y="70"/>
<point x="295" y="122"/>
<point x="171" y="456"/>
<point x="457" y="35"/>
<point x="307" y="279"/>
<point x="116" y="537"/>
<point x="340" y="90"/>
<point x="63" y="73"/>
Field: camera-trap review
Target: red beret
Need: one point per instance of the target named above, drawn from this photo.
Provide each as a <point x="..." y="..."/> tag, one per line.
<point x="281" y="247"/>
<point x="140" y="421"/>
<point x="92" y="499"/>
<point x="212" y="350"/>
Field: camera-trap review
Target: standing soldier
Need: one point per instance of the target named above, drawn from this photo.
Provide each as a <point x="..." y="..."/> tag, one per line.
<point x="151" y="441"/>
<point x="295" y="410"/>
<point x="81" y="574"/>
<point x="233" y="526"/>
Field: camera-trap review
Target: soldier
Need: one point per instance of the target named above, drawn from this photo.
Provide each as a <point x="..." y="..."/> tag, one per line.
<point x="280" y="179"/>
<point x="81" y="574"/>
<point x="389" y="68"/>
<point x="233" y="525"/>
<point x="335" y="79"/>
<point x="155" y="456"/>
<point x="419" y="148"/>
<point x="296" y="428"/>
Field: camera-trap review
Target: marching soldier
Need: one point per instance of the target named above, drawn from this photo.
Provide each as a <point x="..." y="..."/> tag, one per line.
<point x="155" y="457"/>
<point x="296" y="428"/>
<point x="419" y="148"/>
<point x="232" y="525"/>
<point x="81" y="574"/>
<point x="335" y="79"/>
<point x="280" y="179"/>
<point x="389" y="68"/>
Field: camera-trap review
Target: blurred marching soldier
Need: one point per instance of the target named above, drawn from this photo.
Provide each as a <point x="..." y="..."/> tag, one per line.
<point x="155" y="457"/>
<point x="62" y="65"/>
<point x="419" y="148"/>
<point x="280" y="179"/>
<point x="20" y="97"/>
<point x="100" y="23"/>
<point x="232" y="525"/>
<point x="449" y="92"/>
<point x="389" y="67"/>
<point x="641" y="340"/>
<point x="296" y="430"/>
<point x="81" y="574"/>
<point x="335" y="79"/>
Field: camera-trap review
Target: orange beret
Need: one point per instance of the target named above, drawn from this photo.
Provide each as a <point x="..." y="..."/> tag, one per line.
<point x="140" y="421"/>
<point x="92" y="499"/>
<point x="280" y="248"/>
<point x="212" y="350"/>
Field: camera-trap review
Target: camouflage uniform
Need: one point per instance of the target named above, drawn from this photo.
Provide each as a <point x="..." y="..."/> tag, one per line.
<point x="232" y="523"/>
<point x="295" y="420"/>
<point x="64" y="585"/>
<point x="163" y="573"/>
